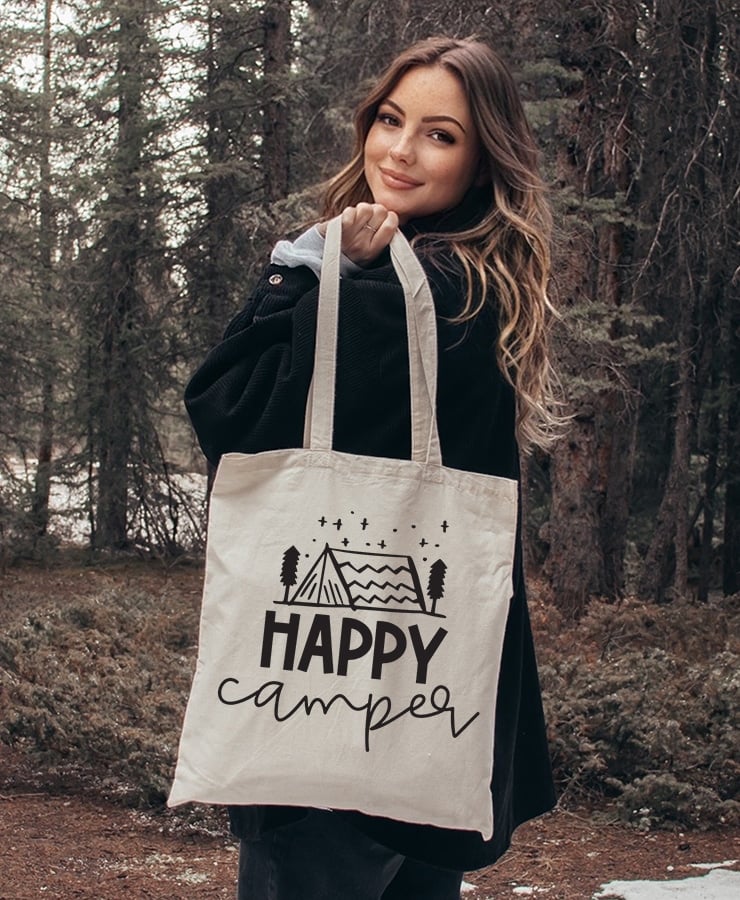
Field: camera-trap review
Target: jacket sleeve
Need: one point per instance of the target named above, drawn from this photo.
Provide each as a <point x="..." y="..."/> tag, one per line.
<point x="249" y="393"/>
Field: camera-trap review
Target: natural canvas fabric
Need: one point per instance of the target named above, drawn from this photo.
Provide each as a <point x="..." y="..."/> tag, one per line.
<point x="353" y="613"/>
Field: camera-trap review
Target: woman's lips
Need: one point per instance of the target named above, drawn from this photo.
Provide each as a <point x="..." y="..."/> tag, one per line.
<point x="397" y="181"/>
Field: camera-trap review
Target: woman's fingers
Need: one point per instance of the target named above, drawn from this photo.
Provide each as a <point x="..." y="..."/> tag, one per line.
<point x="369" y="215"/>
<point x="387" y="228"/>
<point x="367" y="229"/>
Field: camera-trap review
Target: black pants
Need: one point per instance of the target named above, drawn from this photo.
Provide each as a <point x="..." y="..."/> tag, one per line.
<point x="322" y="857"/>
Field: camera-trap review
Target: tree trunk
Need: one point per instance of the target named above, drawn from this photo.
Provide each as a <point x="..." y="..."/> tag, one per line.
<point x="681" y="451"/>
<point x="685" y="190"/>
<point x="616" y="509"/>
<point x="574" y="563"/>
<point x="275" y="131"/>
<point x="615" y="424"/>
<point x="220" y="191"/>
<point x="708" y="503"/>
<point x="42" y="485"/>
<point x="122" y="300"/>
<point x="228" y="111"/>
<point x="731" y="550"/>
<point x="593" y="467"/>
<point x="668" y="551"/>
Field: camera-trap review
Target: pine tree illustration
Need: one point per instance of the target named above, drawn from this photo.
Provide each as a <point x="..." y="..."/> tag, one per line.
<point x="436" y="587"/>
<point x="289" y="570"/>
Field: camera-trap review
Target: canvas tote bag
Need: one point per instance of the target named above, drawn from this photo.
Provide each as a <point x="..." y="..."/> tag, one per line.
<point x="354" y="611"/>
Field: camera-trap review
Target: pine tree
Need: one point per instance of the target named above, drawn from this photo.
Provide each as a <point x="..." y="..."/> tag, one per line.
<point x="46" y="242"/>
<point x="436" y="586"/>
<point x="289" y="570"/>
<point x="689" y="195"/>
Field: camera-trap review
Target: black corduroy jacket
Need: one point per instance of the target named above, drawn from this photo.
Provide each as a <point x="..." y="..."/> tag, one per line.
<point x="249" y="396"/>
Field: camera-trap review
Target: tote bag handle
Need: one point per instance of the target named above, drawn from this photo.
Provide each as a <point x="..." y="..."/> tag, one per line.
<point x="421" y="326"/>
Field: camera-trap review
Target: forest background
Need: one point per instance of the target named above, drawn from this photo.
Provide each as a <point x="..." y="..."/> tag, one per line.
<point x="153" y="151"/>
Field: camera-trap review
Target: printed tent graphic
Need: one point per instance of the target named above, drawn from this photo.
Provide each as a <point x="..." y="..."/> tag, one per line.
<point x="362" y="581"/>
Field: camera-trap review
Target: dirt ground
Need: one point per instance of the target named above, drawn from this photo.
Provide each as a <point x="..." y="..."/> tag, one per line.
<point x="68" y="846"/>
<point x="57" y="842"/>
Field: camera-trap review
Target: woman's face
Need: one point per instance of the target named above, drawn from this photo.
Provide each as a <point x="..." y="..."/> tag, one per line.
<point x="422" y="150"/>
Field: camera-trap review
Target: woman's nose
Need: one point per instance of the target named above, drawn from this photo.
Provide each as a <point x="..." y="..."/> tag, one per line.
<point x="403" y="149"/>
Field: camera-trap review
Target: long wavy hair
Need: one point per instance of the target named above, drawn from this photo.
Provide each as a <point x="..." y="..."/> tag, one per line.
<point x="508" y="249"/>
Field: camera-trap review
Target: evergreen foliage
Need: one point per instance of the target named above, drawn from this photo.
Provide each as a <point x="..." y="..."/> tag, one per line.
<point x="646" y="711"/>
<point x="643" y="713"/>
<point x="153" y="151"/>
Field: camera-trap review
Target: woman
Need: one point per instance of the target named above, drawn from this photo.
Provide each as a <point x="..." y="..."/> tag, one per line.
<point x="444" y="152"/>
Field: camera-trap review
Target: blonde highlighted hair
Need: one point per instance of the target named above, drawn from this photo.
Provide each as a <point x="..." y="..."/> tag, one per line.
<point x="508" y="249"/>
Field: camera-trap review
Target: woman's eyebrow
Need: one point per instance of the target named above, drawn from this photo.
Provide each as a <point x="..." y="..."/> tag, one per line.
<point x="428" y="118"/>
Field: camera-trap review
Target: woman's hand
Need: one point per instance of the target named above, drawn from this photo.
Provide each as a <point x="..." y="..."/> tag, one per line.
<point x="367" y="230"/>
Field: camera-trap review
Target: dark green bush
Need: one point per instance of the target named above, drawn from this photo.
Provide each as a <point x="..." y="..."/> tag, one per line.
<point x="642" y="701"/>
<point x="647" y="711"/>
<point x="100" y="686"/>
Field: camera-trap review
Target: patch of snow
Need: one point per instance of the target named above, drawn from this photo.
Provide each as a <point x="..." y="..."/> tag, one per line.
<point x="163" y="859"/>
<point x="721" y="865"/>
<point x="465" y="887"/>
<point x="719" y="884"/>
<point x="190" y="877"/>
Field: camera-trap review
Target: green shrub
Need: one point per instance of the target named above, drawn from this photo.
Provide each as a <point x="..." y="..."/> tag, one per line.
<point x="100" y="686"/>
<point x="645" y="711"/>
<point x="664" y="800"/>
<point x="648" y="711"/>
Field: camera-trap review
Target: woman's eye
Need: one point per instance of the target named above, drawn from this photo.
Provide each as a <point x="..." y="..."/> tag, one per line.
<point x="443" y="136"/>
<point x="387" y="118"/>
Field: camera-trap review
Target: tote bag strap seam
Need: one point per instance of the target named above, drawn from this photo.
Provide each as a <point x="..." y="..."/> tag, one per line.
<point x="421" y="325"/>
<point x="319" y="424"/>
<point x="422" y="349"/>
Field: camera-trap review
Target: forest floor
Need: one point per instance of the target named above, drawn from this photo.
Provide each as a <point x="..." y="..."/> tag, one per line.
<point x="72" y="846"/>
<point x="65" y="842"/>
